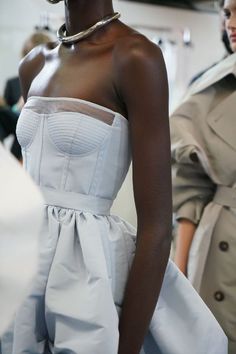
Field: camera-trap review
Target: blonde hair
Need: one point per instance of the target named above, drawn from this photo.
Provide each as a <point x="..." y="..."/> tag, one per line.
<point x="35" y="39"/>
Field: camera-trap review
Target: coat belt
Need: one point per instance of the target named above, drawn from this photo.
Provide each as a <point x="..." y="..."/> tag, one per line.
<point x="225" y="196"/>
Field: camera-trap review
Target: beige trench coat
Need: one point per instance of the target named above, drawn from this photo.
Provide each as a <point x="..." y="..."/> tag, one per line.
<point x="203" y="137"/>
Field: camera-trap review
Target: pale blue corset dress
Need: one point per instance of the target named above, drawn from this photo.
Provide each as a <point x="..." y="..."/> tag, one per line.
<point x="78" y="153"/>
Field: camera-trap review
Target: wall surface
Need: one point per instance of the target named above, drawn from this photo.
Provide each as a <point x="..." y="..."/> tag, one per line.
<point x="18" y="19"/>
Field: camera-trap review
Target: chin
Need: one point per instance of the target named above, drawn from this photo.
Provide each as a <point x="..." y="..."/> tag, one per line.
<point x="233" y="46"/>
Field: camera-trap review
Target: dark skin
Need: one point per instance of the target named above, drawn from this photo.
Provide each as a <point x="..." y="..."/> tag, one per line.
<point x="119" y="68"/>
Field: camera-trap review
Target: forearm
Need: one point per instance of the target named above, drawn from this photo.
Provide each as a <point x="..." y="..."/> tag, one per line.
<point x="185" y="234"/>
<point x="141" y="294"/>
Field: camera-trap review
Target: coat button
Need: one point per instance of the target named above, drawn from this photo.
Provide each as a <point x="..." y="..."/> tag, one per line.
<point x="224" y="246"/>
<point x="193" y="157"/>
<point x="219" y="296"/>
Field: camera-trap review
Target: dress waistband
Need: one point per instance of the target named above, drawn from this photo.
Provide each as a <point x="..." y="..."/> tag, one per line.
<point x="77" y="201"/>
<point x="225" y="196"/>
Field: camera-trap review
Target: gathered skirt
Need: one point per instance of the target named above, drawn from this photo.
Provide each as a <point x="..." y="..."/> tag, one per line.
<point x="74" y="302"/>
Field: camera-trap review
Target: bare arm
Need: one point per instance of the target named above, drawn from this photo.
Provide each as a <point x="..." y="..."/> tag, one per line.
<point x="143" y="86"/>
<point x="184" y="237"/>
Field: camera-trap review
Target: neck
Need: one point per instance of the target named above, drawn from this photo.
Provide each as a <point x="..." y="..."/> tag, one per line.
<point x="81" y="14"/>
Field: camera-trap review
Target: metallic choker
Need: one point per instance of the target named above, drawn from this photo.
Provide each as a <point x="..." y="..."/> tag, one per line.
<point x="63" y="38"/>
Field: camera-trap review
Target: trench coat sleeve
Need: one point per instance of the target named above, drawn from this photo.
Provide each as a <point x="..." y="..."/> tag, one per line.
<point x="192" y="187"/>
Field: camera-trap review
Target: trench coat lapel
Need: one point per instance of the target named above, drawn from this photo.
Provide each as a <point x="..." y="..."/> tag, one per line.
<point x="216" y="73"/>
<point x="224" y="125"/>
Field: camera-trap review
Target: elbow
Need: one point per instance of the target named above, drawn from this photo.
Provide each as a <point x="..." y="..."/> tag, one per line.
<point x="158" y="240"/>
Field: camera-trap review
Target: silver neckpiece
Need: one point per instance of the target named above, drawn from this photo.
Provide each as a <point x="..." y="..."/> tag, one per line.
<point x="54" y="1"/>
<point x="63" y="38"/>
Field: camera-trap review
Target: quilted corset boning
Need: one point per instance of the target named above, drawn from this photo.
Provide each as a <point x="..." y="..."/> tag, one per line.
<point x="72" y="145"/>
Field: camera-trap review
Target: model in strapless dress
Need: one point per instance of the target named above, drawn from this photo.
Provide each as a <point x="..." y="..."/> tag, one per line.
<point x="78" y="153"/>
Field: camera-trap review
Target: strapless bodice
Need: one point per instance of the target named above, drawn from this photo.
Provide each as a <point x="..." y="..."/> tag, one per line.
<point x="72" y="145"/>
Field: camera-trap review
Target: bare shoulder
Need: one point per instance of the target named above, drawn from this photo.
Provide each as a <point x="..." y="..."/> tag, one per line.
<point x="140" y="76"/>
<point x="135" y="49"/>
<point x="35" y="58"/>
<point x="32" y="63"/>
<point x="137" y="60"/>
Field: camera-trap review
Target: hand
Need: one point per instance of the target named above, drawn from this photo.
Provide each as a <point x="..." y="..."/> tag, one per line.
<point x="18" y="106"/>
<point x="20" y="103"/>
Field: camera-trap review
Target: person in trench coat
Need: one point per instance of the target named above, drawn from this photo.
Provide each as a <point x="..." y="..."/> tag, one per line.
<point x="203" y="139"/>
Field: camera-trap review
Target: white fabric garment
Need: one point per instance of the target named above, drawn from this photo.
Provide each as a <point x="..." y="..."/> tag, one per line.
<point x="21" y="207"/>
<point x="78" y="153"/>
